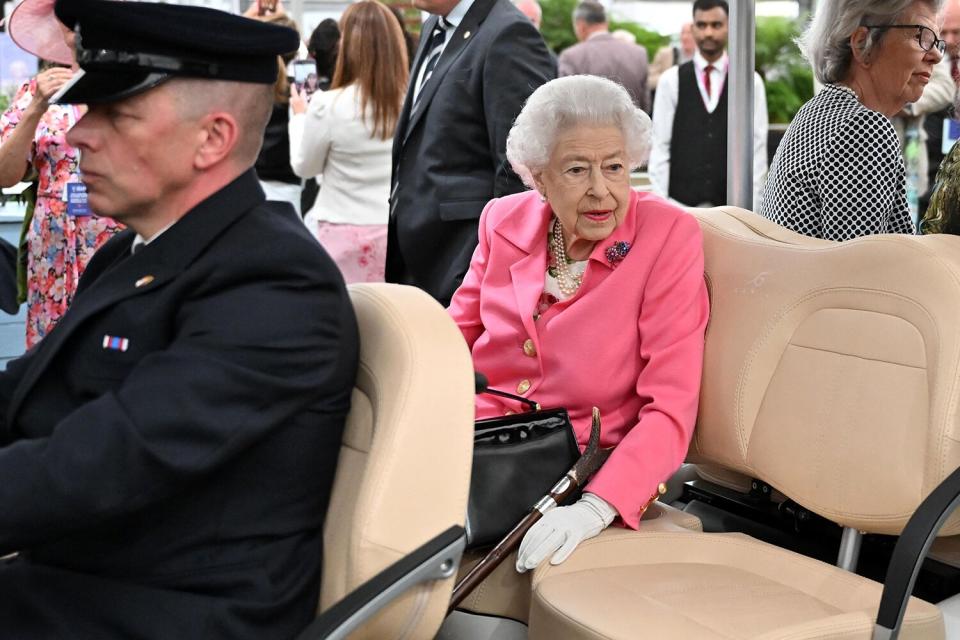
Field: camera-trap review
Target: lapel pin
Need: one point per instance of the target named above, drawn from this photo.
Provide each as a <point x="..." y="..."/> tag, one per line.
<point x="466" y="35"/>
<point x="144" y="281"/>
<point x="114" y="343"/>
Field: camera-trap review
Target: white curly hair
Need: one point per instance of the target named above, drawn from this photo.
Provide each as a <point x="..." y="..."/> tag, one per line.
<point x="567" y="102"/>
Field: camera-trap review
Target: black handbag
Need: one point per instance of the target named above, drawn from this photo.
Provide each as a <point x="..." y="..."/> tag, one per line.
<point x="516" y="460"/>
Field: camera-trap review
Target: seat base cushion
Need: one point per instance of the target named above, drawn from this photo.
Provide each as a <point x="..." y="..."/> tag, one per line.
<point x="697" y="585"/>
<point x="506" y="593"/>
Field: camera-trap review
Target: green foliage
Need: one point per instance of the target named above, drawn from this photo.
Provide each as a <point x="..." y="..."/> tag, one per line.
<point x="557" y="27"/>
<point x="787" y="94"/>
<point x="774" y="42"/>
<point x="4" y="102"/>
<point x="651" y="40"/>
<point x="788" y="77"/>
<point x="557" y="23"/>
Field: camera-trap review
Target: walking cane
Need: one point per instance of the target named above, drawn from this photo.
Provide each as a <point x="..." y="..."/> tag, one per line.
<point x="592" y="459"/>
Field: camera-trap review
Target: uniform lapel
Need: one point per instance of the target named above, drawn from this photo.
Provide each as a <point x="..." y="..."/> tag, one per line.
<point x="149" y="269"/>
<point x="459" y="41"/>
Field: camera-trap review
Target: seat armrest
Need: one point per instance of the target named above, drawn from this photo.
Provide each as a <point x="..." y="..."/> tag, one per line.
<point x="436" y="560"/>
<point x="909" y="553"/>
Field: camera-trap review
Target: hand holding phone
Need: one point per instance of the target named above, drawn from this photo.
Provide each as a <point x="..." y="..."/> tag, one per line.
<point x="298" y="100"/>
<point x="305" y="76"/>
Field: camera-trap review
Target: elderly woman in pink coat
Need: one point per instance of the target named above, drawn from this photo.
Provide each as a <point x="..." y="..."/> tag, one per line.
<point x="583" y="292"/>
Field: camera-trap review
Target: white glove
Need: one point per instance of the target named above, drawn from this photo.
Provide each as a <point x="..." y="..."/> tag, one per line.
<point x="562" y="529"/>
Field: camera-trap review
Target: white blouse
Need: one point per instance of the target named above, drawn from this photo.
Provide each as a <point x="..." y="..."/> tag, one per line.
<point x="332" y="140"/>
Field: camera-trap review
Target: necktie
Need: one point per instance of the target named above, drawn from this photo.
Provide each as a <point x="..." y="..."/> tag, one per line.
<point x="954" y="71"/>
<point x="437" y="38"/>
<point x="706" y="80"/>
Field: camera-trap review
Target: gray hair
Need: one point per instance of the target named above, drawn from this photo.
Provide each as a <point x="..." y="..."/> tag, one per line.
<point x="826" y="41"/>
<point x="590" y="12"/>
<point x="567" y="102"/>
<point x="250" y="103"/>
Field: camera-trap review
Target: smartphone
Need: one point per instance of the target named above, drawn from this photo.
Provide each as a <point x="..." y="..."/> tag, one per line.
<point x="305" y="76"/>
<point x="266" y="6"/>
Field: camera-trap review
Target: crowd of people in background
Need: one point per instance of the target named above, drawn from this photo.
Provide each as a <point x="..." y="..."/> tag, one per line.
<point x="208" y="362"/>
<point x="345" y="135"/>
<point x="390" y="146"/>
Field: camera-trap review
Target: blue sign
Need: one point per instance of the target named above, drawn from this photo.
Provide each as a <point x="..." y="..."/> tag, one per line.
<point x="951" y="132"/>
<point x="77" y="200"/>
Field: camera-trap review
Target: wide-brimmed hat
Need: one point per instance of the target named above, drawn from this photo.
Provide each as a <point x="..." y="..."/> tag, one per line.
<point x="34" y="27"/>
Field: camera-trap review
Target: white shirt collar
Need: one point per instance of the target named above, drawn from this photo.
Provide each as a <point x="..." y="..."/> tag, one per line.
<point x="701" y="63"/>
<point x="140" y="240"/>
<point x="456" y="15"/>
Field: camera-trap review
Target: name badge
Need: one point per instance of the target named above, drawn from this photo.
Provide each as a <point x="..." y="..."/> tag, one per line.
<point x="76" y="197"/>
<point x="951" y="133"/>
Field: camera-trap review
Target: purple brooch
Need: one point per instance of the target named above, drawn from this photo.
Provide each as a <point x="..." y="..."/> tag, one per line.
<point x="617" y="251"/>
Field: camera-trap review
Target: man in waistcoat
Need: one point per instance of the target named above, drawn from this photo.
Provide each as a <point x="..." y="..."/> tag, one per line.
<point x="688" y="160"/>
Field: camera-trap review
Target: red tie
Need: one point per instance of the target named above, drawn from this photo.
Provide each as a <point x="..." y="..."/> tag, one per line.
<point x="706" y="79"/>
<point x="954" y="71"/>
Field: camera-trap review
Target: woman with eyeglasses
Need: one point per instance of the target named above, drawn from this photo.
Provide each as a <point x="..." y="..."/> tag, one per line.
<point x="839" y="173"/>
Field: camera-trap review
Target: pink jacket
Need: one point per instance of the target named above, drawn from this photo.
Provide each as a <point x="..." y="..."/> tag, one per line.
<point x="630" y="342"/>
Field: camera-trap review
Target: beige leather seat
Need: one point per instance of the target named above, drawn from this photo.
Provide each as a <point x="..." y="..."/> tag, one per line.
<point x="404" y="467"/>
<point x="506" y="593"/>
<point x="832" y="372"/>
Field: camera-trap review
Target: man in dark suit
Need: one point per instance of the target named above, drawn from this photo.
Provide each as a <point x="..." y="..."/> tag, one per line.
<point x="167" y="452"/>
<point x="477" y="63"/>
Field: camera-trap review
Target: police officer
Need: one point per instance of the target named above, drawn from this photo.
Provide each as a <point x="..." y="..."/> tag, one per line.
<point x="167" y="452"/>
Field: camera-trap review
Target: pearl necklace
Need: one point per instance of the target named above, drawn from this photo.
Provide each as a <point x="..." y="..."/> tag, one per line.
<point x="844" y="88"/>
<point x="567" y="282"/>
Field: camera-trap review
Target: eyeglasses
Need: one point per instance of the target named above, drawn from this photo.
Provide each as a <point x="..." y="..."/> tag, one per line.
<point x="925" y="35"/>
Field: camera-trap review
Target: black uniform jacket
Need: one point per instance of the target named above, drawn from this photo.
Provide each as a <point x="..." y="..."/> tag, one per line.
<point x="168" y="449"/>
<point x="449" y="154"/>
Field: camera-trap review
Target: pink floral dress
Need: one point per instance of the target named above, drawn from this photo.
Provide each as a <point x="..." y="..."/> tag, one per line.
<point x="59" y="245"/>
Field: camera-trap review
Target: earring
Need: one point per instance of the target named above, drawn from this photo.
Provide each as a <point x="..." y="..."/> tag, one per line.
<point x="543" y="197"/>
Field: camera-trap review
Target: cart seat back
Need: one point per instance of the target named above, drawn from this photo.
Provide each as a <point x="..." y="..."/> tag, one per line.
<point x="832" y="370"/>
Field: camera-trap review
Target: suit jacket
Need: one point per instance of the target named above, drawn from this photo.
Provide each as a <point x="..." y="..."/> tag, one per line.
<point x="630" y="342"/>
<point x="603" y="55"/>
<point x="449" y="155"/>
<point x="168" y="449"/>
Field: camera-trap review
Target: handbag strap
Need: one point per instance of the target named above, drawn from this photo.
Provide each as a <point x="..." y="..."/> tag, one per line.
<point x="480" y="382"/>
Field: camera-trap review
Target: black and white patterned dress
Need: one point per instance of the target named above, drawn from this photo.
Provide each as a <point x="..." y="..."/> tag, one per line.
<point x="838" y="173"/>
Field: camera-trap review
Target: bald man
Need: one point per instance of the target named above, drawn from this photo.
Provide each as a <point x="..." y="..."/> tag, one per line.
<point x="531" y="9"/>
